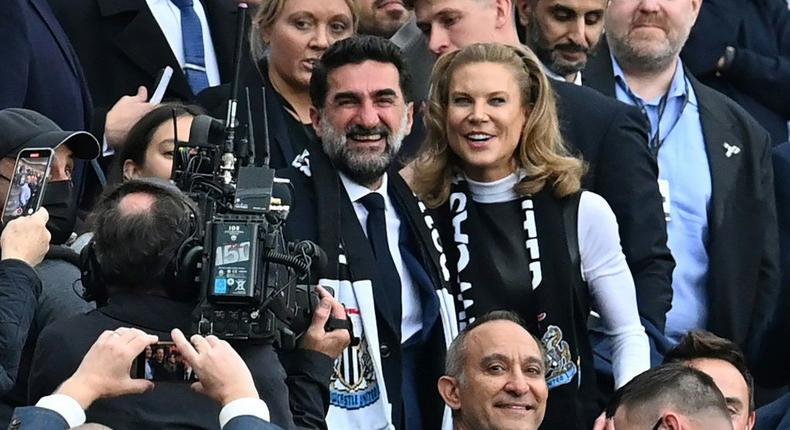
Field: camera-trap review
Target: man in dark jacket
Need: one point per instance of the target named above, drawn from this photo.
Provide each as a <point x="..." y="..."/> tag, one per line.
<point x="153" y="220"/>
<point x="104" y="373"/>
<point x="383" y="260"/>
<point x="715" y="165"/>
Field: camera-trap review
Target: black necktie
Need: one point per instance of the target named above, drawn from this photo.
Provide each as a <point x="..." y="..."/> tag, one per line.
<point x="390" y="289"/>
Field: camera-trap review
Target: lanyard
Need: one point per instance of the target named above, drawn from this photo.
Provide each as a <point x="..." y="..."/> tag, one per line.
<point x="656" y="141"/>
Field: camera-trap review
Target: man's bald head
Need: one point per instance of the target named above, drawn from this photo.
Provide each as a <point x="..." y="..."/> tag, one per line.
<point x="152" y="220"/>
<point x="136" y="203"/>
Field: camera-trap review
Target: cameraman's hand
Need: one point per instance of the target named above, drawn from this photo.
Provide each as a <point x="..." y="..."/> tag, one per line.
<point x="26" y="238"/>
<point x="223" y="374"/>
<point x="105" y="370"/>
<point x="124" y="114"/>
<point x="330" y="343"/>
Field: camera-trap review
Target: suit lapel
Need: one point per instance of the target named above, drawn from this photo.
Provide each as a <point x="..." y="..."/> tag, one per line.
<point x="143" y="42"/>
<point x="723" y="149"/>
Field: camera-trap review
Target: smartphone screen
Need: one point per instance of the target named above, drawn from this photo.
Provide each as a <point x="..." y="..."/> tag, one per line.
<point x="162" y="362"/>
<point x="31" y="173"/>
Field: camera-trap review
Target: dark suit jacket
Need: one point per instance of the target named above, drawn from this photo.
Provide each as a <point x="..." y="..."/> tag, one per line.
<point x="121" y="47"/>
<point x="781" y="158"/>
<point x="759" y="77"/>
<point x="775" y="351"/>
<point x="40" y="69"/>
<point x="612" y="138"/>
<point x="35" y="418"/>
<point x="743" y="281"/>
<point x="175" y="405"/>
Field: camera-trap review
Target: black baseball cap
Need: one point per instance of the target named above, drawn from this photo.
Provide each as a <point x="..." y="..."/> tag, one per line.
<point x="23" y="128"/>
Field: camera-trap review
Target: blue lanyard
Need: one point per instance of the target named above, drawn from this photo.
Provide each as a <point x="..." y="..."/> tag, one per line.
<point x="655" y="141"/>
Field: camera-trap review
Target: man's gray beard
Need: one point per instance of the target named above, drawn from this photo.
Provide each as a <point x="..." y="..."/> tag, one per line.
<point x="630" y="56"/>
<point x="361" y="167"/>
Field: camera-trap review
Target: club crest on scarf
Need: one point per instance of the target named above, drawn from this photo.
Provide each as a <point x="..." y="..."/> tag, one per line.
<point x="562" y="369"/>
<point x="354" y="385"/>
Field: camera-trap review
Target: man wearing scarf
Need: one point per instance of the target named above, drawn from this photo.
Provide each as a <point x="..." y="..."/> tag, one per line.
<point x="385" y="261"/>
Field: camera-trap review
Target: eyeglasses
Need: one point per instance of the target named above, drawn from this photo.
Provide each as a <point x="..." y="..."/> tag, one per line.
<point x="658" y="423"/>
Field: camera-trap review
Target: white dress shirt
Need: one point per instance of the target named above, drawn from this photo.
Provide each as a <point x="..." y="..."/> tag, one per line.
<point x="411" y="310"/>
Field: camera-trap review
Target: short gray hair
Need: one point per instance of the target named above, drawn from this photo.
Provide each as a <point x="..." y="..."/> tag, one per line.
<point x="456" y="354"/>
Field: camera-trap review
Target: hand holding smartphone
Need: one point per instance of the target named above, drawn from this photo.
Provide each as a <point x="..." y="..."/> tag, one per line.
<point x="31" y="174"/>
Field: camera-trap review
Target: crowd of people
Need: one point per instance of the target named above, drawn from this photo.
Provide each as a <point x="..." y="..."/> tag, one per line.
<point x="554" y="214"/>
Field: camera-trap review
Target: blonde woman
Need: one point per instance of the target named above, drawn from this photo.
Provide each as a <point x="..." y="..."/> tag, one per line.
<point x="518" y="231"/>
<point x="287" y="38"/>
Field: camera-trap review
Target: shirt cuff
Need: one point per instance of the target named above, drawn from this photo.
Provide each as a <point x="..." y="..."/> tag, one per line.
<point x="106" y="150"/>
<point x="244" y="406"/>
<point x="65" y="406"/>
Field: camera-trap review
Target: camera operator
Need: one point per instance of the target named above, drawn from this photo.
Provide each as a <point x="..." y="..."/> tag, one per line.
<point x="151" y="220"/>
<point x="104" y="373"/>
<point x="23" y="243"/>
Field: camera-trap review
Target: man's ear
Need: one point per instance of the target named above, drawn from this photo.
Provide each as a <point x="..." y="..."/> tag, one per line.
<point x="670" y="421"/>
<point x="751" y="421"/>
<point x="523" y="9"/>
<point x="449" y="390"/>
<point x="315" y="118"/>
<point x="504" y="13"/>
<point x="409" y="117"/>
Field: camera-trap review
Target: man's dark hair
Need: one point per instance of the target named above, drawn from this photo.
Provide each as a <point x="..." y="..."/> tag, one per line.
<point x="700" y="344"/>
<point x="356" y="50"/>
<point x="676" y="386"/>
<point x="135" y="249"/>
<point x="456" y="353"/>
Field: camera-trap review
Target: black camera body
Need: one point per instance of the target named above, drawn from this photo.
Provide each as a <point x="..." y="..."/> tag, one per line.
<point x="253" y="284"/>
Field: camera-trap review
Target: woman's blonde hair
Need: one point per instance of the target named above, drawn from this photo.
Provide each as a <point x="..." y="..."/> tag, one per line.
<point x="268" y="12"/>
<point x="540" y="151"/>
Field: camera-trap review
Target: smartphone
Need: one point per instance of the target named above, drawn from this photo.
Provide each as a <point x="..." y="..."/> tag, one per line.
<point x="31" y="174"/>
<point x="160" y="85"/>
<point x="162" y="362"/>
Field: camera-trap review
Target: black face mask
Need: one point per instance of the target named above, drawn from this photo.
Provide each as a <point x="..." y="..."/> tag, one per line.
<point x="62" y="208"/>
